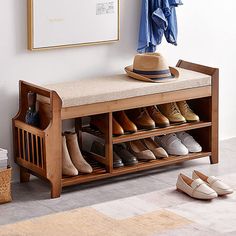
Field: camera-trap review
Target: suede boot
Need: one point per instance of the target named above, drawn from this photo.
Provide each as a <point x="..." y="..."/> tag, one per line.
<point x="77" y="159"/>
<point x="172" y="112"/>
<point x="67" y="166"/>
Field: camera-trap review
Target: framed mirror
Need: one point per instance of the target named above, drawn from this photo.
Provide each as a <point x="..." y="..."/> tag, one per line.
<point x="69" y="23"/>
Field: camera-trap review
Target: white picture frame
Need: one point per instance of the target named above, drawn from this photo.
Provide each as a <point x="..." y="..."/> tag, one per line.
<point x="69" y="23"/>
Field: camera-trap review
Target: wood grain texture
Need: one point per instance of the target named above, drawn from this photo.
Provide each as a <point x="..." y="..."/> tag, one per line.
<point x="215" y="118"/>
<point x="48" y="148"/>
<point x="30" y="23"/>
<point x="108" y="143"/>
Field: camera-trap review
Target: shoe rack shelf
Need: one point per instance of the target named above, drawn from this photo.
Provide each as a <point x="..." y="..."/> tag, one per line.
<point x="101" y="173"/>
<point x="46" y="159"/>
<point x="141" y="134"/>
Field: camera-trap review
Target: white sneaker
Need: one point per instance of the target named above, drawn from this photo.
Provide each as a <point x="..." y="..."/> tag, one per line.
<point x="218" y="185"/>
<point x="172" y="145"/>
<point x="195" y="188"/>
<point x="189" y="142"/>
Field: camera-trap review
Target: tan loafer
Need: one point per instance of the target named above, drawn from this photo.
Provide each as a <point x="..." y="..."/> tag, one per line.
<point x="98" y="122"/>
<point x="141" y="118"/>
<point x="158" y="151"/>
<point x="138" y="149"/>
<point x="218" y="185"/>
<point x="172" y="112"/>
<point x="195" y="188"/>
<point x="125" y="122"/>
<point x="187" y="112"/>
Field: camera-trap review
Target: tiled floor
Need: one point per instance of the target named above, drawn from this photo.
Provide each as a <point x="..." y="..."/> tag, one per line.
<point x="33" y="199"/>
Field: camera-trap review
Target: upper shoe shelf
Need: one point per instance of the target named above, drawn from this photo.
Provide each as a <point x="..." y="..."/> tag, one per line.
<point x="150" y="133"/>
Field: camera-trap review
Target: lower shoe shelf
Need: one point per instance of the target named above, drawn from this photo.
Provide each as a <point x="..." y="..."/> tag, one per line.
<point x="99" y="171"/>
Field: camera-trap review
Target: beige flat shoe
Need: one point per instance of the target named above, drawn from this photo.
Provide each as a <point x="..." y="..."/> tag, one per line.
<point x="195" y="188"/>
<point x="158" y="151"/>
<point x="218" y="185"/>
<point x="138" y="149"/>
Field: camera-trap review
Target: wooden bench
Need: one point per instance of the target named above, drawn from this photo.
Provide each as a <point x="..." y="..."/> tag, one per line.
<point x="38" y="151"/>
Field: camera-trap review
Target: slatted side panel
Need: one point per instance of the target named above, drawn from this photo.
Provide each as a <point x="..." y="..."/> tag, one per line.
<point x="30" y="148"/>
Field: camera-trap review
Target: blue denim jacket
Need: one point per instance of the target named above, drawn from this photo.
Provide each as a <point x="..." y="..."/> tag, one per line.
<point x="158" y="18"/>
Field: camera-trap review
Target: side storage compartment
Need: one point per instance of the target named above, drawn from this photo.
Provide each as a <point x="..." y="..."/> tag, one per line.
<point x="38" y="150"/>
<point x="30" y="147"/>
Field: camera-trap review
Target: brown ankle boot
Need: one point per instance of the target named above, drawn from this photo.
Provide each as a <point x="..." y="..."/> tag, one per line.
<point x="67" y="166"/>
<point x="78" y="160"/>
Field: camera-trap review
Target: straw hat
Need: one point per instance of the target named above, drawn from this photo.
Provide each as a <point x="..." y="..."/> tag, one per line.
<point x="151" y="67"/>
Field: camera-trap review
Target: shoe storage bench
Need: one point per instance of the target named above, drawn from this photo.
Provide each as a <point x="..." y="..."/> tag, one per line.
<point x="39" y="151"/>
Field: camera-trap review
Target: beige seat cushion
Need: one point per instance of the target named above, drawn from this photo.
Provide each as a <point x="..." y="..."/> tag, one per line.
<point x="115" y="87"/>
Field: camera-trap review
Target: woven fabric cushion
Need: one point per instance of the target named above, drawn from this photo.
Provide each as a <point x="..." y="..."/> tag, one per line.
<point x="103" y="89"/>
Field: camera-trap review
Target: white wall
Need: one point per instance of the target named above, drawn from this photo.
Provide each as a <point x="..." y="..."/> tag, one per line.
<point x="207" y="35"/>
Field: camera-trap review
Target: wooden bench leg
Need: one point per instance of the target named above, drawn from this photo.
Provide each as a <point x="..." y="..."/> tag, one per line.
<point x="24" y="175"/>
<point x="214" y="159"/>
<point x="55" y="188"/>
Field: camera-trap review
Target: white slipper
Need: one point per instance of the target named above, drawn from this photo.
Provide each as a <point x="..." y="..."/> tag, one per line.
<point x="172" y="145"/>
<point x="218" y="185"/>
<point x="189" y="142"/>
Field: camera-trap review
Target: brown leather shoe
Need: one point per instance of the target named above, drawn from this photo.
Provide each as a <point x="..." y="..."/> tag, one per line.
<point x="138" y="149"/>
<point x="141" y="118"/>
<point x="125" y="122"/>
<point x="99" y="148"/>
<point x="160" y="120"/>
<point x="127" y="157"/>
<point x="98" y="122"/>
